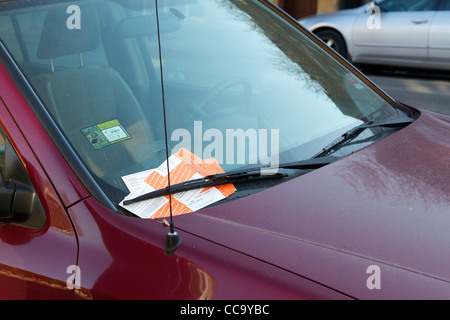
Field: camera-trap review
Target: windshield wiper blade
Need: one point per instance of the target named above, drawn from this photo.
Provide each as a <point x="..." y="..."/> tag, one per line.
<point x="350" y="134"/>
<point x="234" y="177"/>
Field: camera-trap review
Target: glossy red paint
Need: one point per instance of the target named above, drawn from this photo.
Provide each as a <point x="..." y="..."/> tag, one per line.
<point x="385" y="205"/>
<point x="119" y="257"/>
<point x="122" y="257"/>
<point x="34" y="261"/>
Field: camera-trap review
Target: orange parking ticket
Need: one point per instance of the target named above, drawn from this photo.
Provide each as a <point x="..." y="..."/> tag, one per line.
<point x="204" y="168"/>
<point x="184" y="166"/>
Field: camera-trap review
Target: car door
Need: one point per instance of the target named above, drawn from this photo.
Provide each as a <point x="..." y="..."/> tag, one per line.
<point x="439" y="50"/>
<point x="401" y="32"/>
<point x="38" y="247"/>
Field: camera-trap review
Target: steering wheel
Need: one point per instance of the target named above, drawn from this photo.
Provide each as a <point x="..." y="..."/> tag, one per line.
<point x="221" y="87"/>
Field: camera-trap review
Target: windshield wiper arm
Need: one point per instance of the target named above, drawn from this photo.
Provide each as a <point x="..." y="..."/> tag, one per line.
<point x="319" y="160"/>
<point x="350" y="134"/>
<point x="234" y="177"/>
<point x="313" y="163"/>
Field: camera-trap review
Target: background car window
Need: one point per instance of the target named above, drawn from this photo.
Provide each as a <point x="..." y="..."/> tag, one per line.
<point x="408" y="5"/>
<point x="446" y="5"/>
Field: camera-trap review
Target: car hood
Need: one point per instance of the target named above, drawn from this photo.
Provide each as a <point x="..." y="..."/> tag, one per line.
<point x="386" y="205"/>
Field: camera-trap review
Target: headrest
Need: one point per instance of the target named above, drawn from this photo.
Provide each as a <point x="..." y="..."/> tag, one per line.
<point x="57" y="39"/>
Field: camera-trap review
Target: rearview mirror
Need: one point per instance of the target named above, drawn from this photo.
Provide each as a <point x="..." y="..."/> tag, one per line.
<point x="19" y="201"/>
<point x="6" y="198"/>
<point x="16" y="200"/>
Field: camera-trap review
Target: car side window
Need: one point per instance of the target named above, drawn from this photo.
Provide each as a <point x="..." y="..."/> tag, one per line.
<point x="19" y="202"/>
<point x="408" y="5"/>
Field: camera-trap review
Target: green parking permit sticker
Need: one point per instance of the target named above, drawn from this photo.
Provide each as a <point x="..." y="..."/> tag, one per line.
<point x="105" y="134"/>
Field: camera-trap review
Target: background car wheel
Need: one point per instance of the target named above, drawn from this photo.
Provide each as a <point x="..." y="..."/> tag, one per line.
<point x="334" y="40"/>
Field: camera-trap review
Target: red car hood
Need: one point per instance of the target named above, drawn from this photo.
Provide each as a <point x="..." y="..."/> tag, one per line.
<point x="387" y="205"/>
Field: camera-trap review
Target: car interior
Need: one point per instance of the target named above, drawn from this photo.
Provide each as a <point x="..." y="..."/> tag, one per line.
<point x="77" y="78"/>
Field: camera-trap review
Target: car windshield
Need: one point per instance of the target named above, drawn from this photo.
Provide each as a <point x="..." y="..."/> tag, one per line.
<point x="226" y="84"/>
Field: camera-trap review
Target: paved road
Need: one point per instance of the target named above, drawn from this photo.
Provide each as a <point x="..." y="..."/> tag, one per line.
<point x="427" y="91"/>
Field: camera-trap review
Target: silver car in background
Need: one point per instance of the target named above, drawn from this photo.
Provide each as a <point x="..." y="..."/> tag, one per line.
<point x="401" y="33"/>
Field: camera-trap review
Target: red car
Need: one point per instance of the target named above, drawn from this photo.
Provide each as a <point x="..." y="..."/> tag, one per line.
<point x="208" y="150"/>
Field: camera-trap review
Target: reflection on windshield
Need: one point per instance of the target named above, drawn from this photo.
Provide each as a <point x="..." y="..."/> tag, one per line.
<point x="224" y="79"/>
<point x="258" y="76"/>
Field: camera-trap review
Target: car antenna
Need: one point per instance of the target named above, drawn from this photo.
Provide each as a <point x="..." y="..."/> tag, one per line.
<point x="173" y="239"/>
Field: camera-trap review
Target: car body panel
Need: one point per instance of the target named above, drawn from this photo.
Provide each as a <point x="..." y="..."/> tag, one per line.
<point x="25" y="252"/>
<point x="130" y="251"/>
<point x="352" y="212"/>
<point x="439" y="38"/>
<point x="393" y="40"/>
